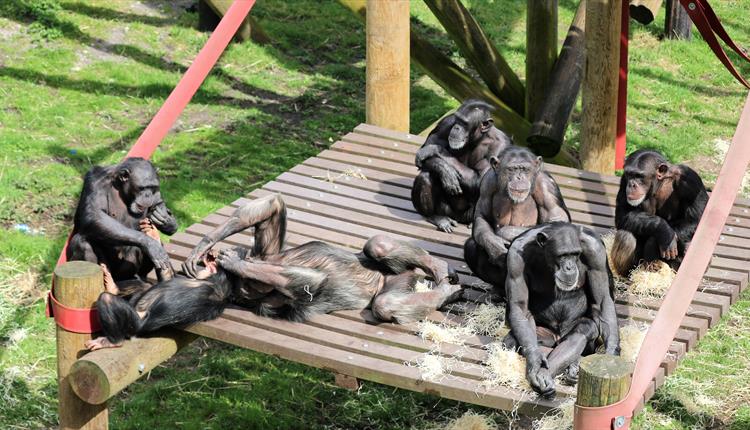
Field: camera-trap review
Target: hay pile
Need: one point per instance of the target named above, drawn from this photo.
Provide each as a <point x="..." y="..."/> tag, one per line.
<point x="487" y="320"/>
<point x="505" y="368"/>
<point x="471" y="421"/>
<point x="442" y="333"/>
<point x="433" y="366"/>
<point x="651" y="280"/>
<point x="631" y="339"/>
<point x="562" y="419"/>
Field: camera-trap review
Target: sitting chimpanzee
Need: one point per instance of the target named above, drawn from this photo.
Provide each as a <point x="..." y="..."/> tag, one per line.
<point x="452" y="161"/>
<point x="293" y="284"/>
<point x="560" y="295"/>
<point x="117" y="203"/>
<point x="658" y="209"/>
<point x="515" y="194"/>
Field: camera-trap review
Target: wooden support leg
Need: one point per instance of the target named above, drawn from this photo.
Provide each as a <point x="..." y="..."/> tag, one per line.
<point x="346" y="381"/>
<point x="602" y="380"/>
<point x="78" y="285"/>
<point x="677" y="24"/>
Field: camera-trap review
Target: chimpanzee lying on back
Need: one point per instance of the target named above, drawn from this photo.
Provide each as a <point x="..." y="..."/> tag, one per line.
<point x="560" y="294"/>
<point x="658" y="209"/>
<point x="451" y="163"/>
<point x="116" y="204"/>
<point x="293" y="284"/>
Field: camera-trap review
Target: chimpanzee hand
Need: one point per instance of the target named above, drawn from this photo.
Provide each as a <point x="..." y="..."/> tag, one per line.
<point x="538" y="374"/>
<point x="670" y="251"/>
<point x="496" y="249"/>
<point x="159" y="257"/>
<point x="451" y="181"/>
<point x="163" y="219"/>
<point x="229" y="259"/>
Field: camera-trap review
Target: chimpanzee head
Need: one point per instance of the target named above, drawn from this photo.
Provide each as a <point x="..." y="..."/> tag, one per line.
<point x="562" y="251"/>
<point x="138" y="183"/>
<point x="473" y="120"/>
<point x="516" y="169"/>
<point x="644" y="170"/>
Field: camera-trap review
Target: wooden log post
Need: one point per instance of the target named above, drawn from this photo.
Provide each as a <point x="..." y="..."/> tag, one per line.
<point x="602" y="380"/>
<point x="644" y="11"/>
<point x="677" y="24"/>
<point x="551" y="120"/>
<point x="77" y="285"/>
<point x="479" y="51"/>
<point x="541" y="51"/>
<point x="600" y="84"/>
<point x="211" y="11"/>
<point x="101" y="374"/>
<point x="387" y="64"/>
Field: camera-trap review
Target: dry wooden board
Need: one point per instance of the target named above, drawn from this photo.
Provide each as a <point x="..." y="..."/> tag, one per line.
<point x="361" y="187"/>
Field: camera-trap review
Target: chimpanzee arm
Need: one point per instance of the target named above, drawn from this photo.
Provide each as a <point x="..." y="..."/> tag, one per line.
<point x="693" y="196"/>
<point x="601" y="290"/>
<point x="482" y="230"/>
<point x="520" y="319"/>
<point x="435" y="143"/>
<point x="640" y="223"/>
<point x="549" y="200"/>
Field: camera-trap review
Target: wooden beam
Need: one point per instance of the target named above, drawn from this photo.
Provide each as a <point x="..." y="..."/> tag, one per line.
<point x="77" y="285"/>
<point x="387" y="72"/>
<point x="600" y="83"/>
<point x="677" y="24"/>
<point x="644" y="11"/>
<point x="476" y="47"/>
<point x="541" y="51"/>
<point x="99" y="375"/>
<point x="548" y="129"/>
<point x="211" y="11"/>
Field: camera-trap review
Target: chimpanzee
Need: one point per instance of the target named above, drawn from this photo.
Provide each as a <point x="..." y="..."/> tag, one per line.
<point x="452" y="161"/>
<point x="560" y="294"/>
<point x="293" y="284"/>
<point x="116" y="204"/>
<point x="515" y="195"/>
<point x="658" y="209"/>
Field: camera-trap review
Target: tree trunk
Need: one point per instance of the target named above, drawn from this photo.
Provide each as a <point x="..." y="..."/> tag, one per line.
<point x="677" y="24"/>
<point x="541" y="51"/>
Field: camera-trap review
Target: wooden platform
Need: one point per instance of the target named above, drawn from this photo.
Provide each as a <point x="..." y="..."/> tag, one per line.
<point x="327" y="201"/>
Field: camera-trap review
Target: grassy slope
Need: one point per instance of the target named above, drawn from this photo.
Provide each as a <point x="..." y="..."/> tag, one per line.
<point x="83" y="98"/>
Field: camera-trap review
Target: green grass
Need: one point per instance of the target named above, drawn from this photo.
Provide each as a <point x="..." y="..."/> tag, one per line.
<point x="79" y="85"/>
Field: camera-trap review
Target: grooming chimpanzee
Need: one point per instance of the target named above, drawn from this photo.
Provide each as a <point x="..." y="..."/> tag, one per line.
<point x="515" y="195"/>
<point x="560" y="294"/>
<point x="293" y="284"/>
<point x="116" y="204"/>
<point x="658" y="209"/>
<point x="452" y="161"/>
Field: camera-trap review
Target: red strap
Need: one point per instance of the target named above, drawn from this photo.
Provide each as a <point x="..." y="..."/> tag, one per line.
<point x="686" y="282"/>
<point x="713" y="20"/>
<point x="158" y="128"/>
<point x="622" y="89"/>
<point x="695" y="8"/>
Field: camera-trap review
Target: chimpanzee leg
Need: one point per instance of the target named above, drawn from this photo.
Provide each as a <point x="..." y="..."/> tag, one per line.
<point x="80" y="249"/>
<point x="544" y="336"/>
<point x="400" y="303"/>
<point x="650" y="251"/>
<point x="479" y="263"/>
<point x="269" y="217"/>
<point x="568" y="351"/>
<point x="400" y="257"/>
<point x="429" y="200"/>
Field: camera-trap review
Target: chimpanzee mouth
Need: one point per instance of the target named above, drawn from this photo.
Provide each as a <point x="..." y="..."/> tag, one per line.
<point x="518" y="195"/>
<point x="456" y="143"/>
<point x="209" y="261"/>
<point x="565" y="286"/>
<point x="637" y="202"/>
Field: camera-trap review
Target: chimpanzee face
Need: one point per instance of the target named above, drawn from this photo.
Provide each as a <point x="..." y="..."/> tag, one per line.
<point x="138" y="183"/>
<point x="641" y="174"/>
<point x="469" y="127"/>
<point x="516" y="172"/>
<point x="562" y="251"/>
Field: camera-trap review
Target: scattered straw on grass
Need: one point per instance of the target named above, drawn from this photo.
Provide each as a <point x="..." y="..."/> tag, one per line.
<point x="561" y="419"/>
<point x="651" y="280"/>
<point x="487" y="320"/>
<point x="631" y="339"/>
<point x="505" y="368"/>
<point x="471" y="421"/>
<point x="442" y="333"/>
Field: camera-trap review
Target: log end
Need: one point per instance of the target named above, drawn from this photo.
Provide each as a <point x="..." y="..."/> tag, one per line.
<point x="89" y="382"/>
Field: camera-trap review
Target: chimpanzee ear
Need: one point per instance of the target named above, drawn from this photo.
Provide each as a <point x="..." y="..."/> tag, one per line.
<point x="494" y="161"/>
<point x="123" y="175"/>
<point x="541" y="238"/>
<point x="661" y="171"/>
<point x="486" y="125"/>
<point x="539" y="163"/>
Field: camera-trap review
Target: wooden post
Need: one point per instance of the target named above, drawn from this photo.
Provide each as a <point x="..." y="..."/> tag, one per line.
<point x="600" y="83"/>
<point x="677" y="24"/>
<point x="211" y="11"/>
<point x="101" y="374"/>
<point x="644" y="11"/>
<point x="541" y="51"/>
<point x="602" y="380"/>
<point x="78" y="285"/>
<point x="548" y="129"/>
<point x="387" y="73"/>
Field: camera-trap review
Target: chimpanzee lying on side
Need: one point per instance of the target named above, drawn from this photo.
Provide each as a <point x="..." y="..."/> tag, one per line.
<point x="451" y="163"/>
<point x="560" y="294"/>
<point x="116" y="204"/>
<point x="658" y="209"/>
<point x="293" y="284"/>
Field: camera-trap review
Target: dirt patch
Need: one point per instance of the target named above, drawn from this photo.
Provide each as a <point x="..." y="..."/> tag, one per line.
<point x="10" y="29"/>
<point x="102" y="49"/>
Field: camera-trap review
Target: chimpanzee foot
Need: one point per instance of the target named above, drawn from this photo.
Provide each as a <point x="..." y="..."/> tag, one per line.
<point x="452" y="292"/>
<point x="109" y="282"/>
<point x="570" y="377"/>
<point x="100" y="343"/>
<point x="443" y="223"/>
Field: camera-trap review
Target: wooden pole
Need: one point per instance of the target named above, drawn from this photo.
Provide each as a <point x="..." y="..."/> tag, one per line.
<point x="600" y="83"/>
<point x="476" y="47"/>
<point x="211" y="11"/>
<point x="541" y="51"/>
<point x="548" y="129"/>
<point x="644" y="11"/>
<point x="602" y="380"/>
<point x="101" y="374"/>
<point x="677" y="24"/>
<point x="387" y="73"/>
<point x="77" y="285"/>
